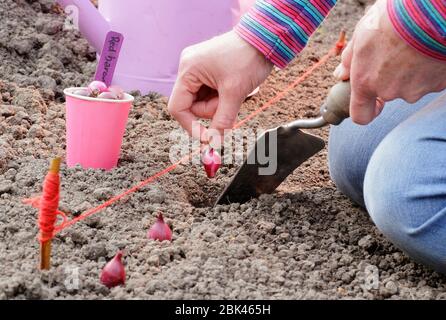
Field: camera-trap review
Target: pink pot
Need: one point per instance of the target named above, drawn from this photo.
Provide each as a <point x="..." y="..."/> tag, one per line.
<point x="95" y="128"/>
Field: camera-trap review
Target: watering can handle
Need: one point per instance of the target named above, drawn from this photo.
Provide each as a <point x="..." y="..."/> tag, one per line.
<point x="336" y="107"/>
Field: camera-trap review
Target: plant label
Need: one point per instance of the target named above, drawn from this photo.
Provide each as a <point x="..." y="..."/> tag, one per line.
<point x="109" y="57"/>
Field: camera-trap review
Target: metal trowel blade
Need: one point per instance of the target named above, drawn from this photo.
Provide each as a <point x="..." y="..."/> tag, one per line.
<point x="275" y="155"/>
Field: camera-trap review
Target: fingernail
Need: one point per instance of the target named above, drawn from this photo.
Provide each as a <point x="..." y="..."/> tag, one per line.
<point x="337" y="72"/>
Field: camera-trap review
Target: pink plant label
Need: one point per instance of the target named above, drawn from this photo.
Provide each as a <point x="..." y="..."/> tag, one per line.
<point x="109" y="57"/>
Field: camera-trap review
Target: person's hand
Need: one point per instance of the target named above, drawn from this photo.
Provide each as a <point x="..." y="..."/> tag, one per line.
<point x="382" y="67"/>
<point x="214" y="79"/>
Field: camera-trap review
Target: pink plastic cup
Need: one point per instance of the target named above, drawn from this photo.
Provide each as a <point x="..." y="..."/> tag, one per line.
<point x="95" y="128"/>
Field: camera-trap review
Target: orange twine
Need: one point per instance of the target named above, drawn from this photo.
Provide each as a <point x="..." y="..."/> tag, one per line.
<point x="48" y="205"/>
<point x="47" y="217"/>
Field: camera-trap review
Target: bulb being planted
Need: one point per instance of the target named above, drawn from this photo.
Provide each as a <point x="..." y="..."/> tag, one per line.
<point x="113" y="273"/>
<point x="160" y="230"/>
<point x="211" y="161"/>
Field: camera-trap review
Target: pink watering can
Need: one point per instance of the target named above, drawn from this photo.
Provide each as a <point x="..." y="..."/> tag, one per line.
<point x="155" y="32"/>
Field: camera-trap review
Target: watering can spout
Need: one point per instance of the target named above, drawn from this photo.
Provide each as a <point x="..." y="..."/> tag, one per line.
<point x="89" y="21"/>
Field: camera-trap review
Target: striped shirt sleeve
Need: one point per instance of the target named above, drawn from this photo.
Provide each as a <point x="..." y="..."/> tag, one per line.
<point x="422" y="23"/>
<point x="280" y="29"/>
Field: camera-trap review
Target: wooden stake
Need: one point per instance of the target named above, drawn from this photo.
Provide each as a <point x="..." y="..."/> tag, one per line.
<point x="45" y="247"/>
<point x="45" y="255"/>
<point x="55" y="165"/>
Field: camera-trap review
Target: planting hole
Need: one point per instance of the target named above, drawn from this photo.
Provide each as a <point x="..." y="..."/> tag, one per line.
<point x="202" y="193"/>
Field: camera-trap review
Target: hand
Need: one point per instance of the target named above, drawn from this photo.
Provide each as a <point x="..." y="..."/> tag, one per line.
<point x="382" y="67"/>
<point x="214" y="79"/>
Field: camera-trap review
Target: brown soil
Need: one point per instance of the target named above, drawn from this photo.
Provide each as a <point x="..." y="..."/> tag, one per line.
<point x="305" y="241"/>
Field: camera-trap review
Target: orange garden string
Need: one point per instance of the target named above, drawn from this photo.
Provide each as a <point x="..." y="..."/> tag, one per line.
<point x="48" y="204"/>
<point x="47" y="220"/>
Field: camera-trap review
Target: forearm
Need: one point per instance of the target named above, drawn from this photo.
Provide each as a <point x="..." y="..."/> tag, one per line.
<point x="280" y="29"/>
<point x="422" y="24"/>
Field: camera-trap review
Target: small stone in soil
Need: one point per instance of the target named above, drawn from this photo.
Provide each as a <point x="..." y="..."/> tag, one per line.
<point x="7" y="110"/>
<point x="5" y="186"/>
<point x="391" y="287"/>
<point x="81" y="208"/>
<point x="103" y="193"/>
<point x="95" y="251"/>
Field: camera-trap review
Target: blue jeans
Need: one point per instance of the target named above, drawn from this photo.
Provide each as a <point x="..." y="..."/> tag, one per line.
<point x="395" y="167"/>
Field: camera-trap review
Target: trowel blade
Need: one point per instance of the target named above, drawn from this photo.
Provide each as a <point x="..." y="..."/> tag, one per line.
<point x="286" y="148"/>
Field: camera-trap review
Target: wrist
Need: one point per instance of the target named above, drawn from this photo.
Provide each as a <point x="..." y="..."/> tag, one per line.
<point x="253" y="52"/>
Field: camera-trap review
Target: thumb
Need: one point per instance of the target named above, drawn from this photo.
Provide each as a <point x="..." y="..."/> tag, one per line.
<point x="342" y="72"/>
<point x="225" y="116"/>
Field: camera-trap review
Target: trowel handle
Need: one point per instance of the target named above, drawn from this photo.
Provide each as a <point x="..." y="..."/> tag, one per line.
<point x="336" y="106"/>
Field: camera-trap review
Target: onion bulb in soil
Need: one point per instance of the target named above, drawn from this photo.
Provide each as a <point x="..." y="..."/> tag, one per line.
<point x="113" y="273"/>
<point x="211" y="161"/>
<point x="160" y="230"/>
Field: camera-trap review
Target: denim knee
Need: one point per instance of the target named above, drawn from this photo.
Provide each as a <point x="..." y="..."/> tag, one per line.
<point x="351" y="146"/>
<point x="405" y="187"/>
<point x="348" y="159"/>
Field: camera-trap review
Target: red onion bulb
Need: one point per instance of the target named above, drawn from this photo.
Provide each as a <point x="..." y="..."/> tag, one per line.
<point x="160" y="230"/>
<point x="113" y="273"/>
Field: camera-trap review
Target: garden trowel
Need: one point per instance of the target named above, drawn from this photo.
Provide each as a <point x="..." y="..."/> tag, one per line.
<point x="279" y="151"/>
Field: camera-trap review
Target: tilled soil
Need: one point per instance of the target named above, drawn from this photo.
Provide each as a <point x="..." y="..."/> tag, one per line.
<point x="305" y="241"/>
